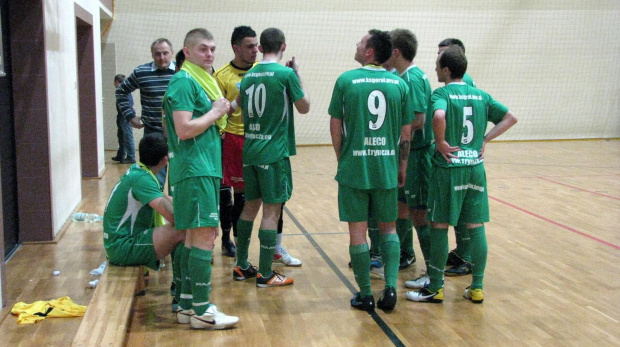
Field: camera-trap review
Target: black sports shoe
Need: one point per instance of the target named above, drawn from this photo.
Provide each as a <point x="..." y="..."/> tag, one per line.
<point x="459" y="270"/>
<point x="240" y="274"/>
<point x="127" y="161"/>
<point x="117" y="158"/>
<point x="453" y="259"/>
<point x="366" y="304"/>
<point x="388" y="299"/>
<point x="229" y="249"/>
<point x="406" y="261"/>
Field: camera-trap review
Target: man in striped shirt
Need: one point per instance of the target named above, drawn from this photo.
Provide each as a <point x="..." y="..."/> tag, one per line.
<point x="152" y="79"/>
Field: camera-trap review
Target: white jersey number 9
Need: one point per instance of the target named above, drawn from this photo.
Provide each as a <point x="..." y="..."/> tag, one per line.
<point x="377" y="107"/>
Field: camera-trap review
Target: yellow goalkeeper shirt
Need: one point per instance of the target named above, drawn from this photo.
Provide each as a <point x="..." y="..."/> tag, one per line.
<point x="228" y="78"/>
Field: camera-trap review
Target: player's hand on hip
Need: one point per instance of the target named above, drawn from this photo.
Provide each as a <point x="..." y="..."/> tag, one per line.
<point x="446" y="150"/>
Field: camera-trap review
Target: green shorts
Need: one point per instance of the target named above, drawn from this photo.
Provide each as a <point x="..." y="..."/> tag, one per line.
<point x="272" y="182"/>
<point x="415" y="191"/>
<point x="355" y="205"/>
<point x="196" y="202"/>
<point x="134" y="250"/>
<point x="458" y="193"/>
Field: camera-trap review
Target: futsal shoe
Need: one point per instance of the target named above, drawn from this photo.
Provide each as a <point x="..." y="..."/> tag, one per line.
<point x="273" y="280"/>
<point x="117" y="158"/>
<point x="406" y="261"/>
<point x="387" y="302"/>
<point x="240" y="274"/>
<point x="229" y="249"/>
<point x="213" y="319"/>
<point x="475" y="295"/>
<point x="184" y="316"/>
<point x="425" y="295"/>
<point x="418" y="283"/>
<point x="365" y="304"/>
<point x="453" y="259"/>
<point x="459" y="270"/>
<point x="282" y="256"/>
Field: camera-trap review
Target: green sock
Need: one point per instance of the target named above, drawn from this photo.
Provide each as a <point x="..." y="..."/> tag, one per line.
<point x="200" y="273"/>
<point x="375" y="237"/>
<point x="267" y="249"/>
<point x="176" y="269"/>
<point x="463" y="241"/>
<point x="404" y="229"/>
<point x="185" y="301"/>
<point x="244" y="234"/>
<point x="360" y="262"/>
<point x="424" y="238"/>
<point x="390" y="248"/>
<point x="439" y="256"/>
<point x="479" y="255"/>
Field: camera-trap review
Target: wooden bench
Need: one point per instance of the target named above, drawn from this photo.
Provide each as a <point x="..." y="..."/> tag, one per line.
<point x="107" y="317"/>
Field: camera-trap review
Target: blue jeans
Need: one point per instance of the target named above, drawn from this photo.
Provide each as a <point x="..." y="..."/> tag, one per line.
<point x="126" y="147"/>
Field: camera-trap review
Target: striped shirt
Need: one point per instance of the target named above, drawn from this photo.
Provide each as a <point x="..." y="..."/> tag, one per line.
<point x="152" y="83"/>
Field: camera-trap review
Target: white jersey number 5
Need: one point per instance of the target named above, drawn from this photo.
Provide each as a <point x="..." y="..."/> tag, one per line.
<point x="468" y="126"/>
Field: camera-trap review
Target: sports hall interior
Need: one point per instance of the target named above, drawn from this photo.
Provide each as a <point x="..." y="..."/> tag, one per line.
<point x="552" y="276"/>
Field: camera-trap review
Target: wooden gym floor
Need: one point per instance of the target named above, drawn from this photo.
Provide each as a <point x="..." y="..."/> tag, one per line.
<point x="552" y="275"/>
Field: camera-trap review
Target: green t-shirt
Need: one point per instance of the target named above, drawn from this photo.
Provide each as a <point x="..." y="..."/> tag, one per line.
<point x="127" y="211"/>
<point x="268" y="92"/>
<point x="198" y="156"/>
<point x="374" y="105"/>
<point x="468" y="111"/>
<point x="468" y="80"/>
<point x="420" y="89"/>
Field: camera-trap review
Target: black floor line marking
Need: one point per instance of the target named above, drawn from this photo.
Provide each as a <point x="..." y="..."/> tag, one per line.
<point x="380" y="322"/>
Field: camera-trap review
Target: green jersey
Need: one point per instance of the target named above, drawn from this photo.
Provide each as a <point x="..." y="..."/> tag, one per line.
<point x="268" y="92"/>
<point x="420" y="89"/>
<point x="374" y="105"/>
<point x="468" y="110"/>
<point x="198" y="156"/>
<point x="468" y="80"/>
<point x="127" y="211"/>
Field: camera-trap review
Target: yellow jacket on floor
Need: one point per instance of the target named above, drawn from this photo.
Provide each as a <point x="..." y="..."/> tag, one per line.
<point x="39" y="310"/>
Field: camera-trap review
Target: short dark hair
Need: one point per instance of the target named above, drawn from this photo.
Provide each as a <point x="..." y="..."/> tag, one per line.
<point x="406" y="42"/>
<point x="454" y="59"/>
<point x="196" y="34"/>
<point x="271" y="40"/>
<point x="450" y="42"/>
<point x="381" y="43"/>
<point x="180" y="59"/>
<point x="119" y="78"/>
<point x="161" y="40"/>
<point x="241" y="32"/>
<point x="153" y="148"/>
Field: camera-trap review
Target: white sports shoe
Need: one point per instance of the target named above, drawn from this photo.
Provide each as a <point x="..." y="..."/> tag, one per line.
<point x="213" y="319"/>
<point x="419" y="283"/>
<point x="184" y="316"/>
<point x="282" y="256"/>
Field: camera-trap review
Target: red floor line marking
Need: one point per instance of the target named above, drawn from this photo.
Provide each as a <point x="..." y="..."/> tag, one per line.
<point x="583" y="190"/>
<point x="556" y="223"/>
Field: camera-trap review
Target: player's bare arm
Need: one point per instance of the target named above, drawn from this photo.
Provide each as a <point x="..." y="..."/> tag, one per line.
<point x="418" y="121"/>
<point x="163" y="205"/>
<point x="335" y="129"/>
<point x="403" y="150"/>
<point x="439" y="129"/>
<point x="188" y="128"/>
<point x="506" y="123"/>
